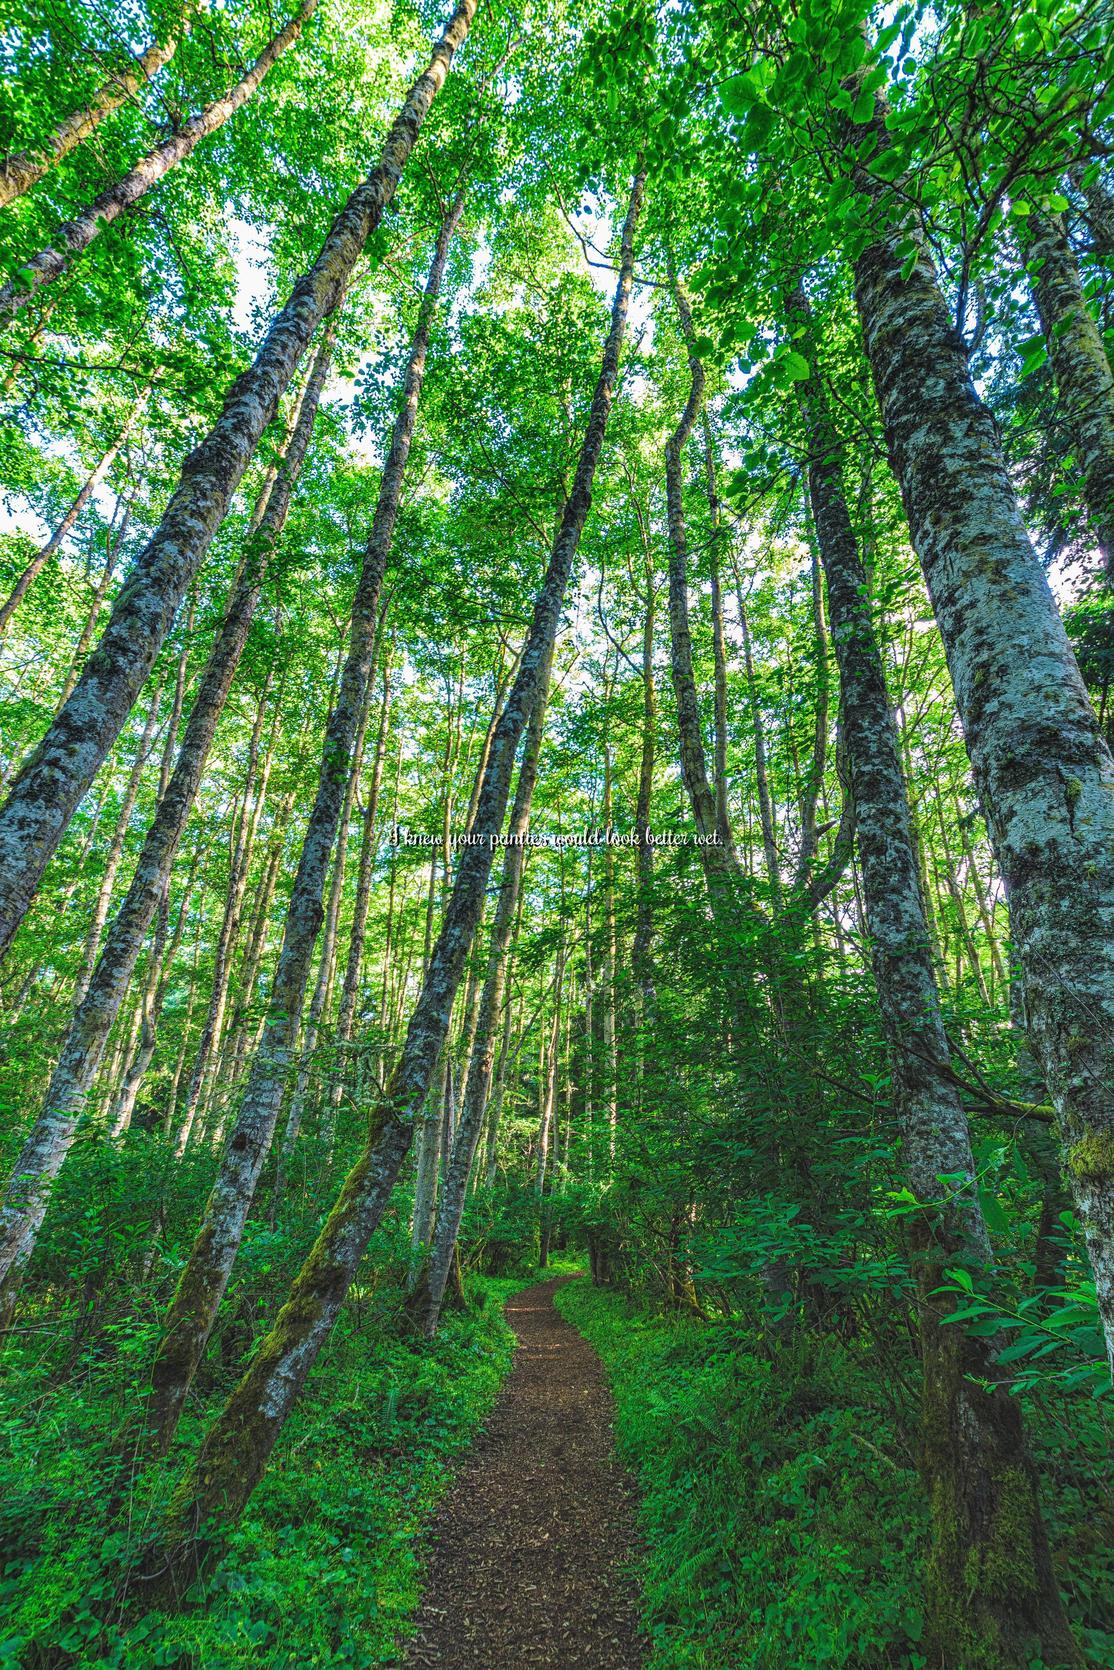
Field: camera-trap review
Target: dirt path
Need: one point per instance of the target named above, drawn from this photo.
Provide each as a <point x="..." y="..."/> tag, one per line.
<point x="530" y="1547"/>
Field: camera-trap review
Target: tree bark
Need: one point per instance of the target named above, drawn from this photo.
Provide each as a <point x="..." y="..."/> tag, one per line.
<point x="814" y="777"/>
<point x="154" y="996"/>
<point x="609" y="1027"/>
<point x="425" y="1172"/>
<point x="350" y="986"/>
<point x="1084" y="381"/>
<point x="326" y="964"/>
<point x="234" y="1454"/>
<point x="547" y="1120"/>
<point x="115" y="851"/>
<point x="761" y="763"/>
<point x="201" y="1287"/>
<point x="47" y="790"/>
<point x="642" y="962"/>
<point x="720" y="861"/>
<point x="75" y="236"/>
<point x="1100" y="215"/>
<point x="1042" y="770"/>
<point x="239" y="1044"/>
<point x="247" y="823"/>
<point x="81" y="649"/>
<point x="46" y="1148"/>
<point x="477" y="1091"/>
<point x="981" y="1482"/>
<point x="23" y="169"/>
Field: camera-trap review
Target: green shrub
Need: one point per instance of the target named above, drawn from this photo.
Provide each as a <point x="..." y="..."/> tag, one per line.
<point x="778" y="1534"/>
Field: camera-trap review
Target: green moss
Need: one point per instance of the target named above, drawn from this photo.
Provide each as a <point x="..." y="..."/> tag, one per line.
<point x="1091" y="1158"/>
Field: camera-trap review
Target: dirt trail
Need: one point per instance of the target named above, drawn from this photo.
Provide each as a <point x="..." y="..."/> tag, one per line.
<point x="530" y="1548"/>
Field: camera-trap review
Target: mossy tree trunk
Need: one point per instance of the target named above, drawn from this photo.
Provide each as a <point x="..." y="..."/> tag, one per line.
<point x="991" y="1589"/>
<point x="1042" y="769"/>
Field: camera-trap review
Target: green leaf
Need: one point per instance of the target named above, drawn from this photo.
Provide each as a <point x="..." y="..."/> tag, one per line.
<point x="864" y="107"/>
<point x="888" y="164"/>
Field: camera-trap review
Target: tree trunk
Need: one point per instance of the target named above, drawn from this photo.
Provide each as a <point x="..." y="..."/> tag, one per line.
<point x="1043" y="772"/>
<point x="814" y="777"/>
<point x="234" y="1455"/>
<point x="429" y="1153"/>
<point x="1084" y="381"/>
<point x="238" y="1045"/>
<point x="115" y="851"/>
<point x="154" y="996"/>
<point x="76" y="235"/>
<point x="326" y="966"/>
<point x="240" y="860"/>
<point x="46" y="1148"/>
<point x="42" y="557"/>
<point x="350" y="986"/>
<point x="47" y="790"/>
<point x="721" y="864"/>
<point x="194" y="1308"/>
<point x="642" y="963"/>
<point x="23" y="169"/>
<point x="547" y="1129"/>
<point x="113" y="546"/>
<point x="1100" y="214"/>
<point x="609" y="1028"/>
<point x="495" y="1110"/>
<point x="477" y="1090"/>
<point x="990" y="1581"/>
<point x="761" y="766"/>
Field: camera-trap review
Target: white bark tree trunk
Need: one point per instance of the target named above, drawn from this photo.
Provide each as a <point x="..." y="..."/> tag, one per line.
<point x="23" y="169"/>
<point x="44" y="795"/>
<point x="1042" y="769"/>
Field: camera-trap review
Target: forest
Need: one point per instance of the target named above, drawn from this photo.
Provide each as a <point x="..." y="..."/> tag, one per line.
<point x="556" y="834"/>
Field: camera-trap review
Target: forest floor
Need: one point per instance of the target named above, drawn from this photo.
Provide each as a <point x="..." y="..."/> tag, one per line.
<point x="532" y="1548"/>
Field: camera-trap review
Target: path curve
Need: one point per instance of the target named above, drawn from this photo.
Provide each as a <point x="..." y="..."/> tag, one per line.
<point x="532" y="1546"/>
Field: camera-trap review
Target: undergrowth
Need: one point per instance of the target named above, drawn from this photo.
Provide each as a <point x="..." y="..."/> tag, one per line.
<point x="782" y="1514"/>
<point x="323" y="1569"/>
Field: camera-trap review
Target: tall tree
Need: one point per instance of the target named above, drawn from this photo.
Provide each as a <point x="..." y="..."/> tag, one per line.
<point x="980" y="1479"/>
<point x="22" y="169"/>
<point x="76" y="235"/>
<point x="1042" y="768"/>
<point x="43" y="1154"/>
<point x="44" y="795"/>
